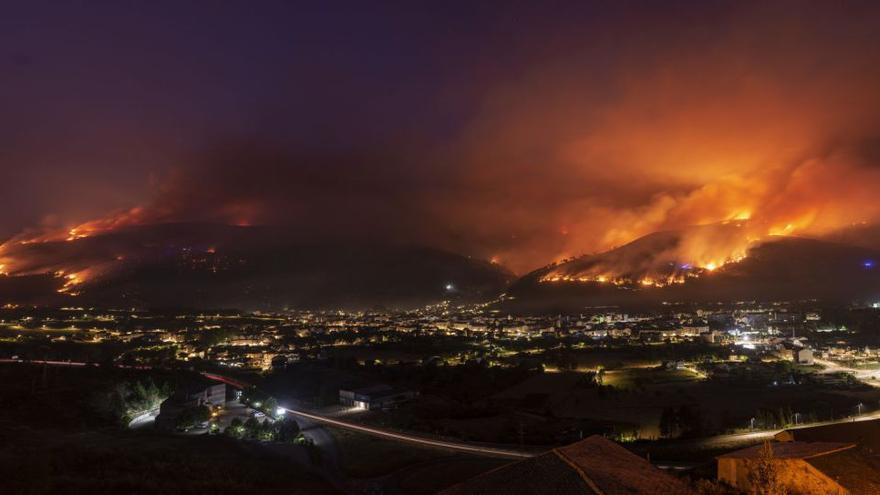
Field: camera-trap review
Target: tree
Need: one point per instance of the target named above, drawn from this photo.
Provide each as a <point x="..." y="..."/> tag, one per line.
<point x="247" y="395"/>
<point x="763" y="473"/>
<point x="669" y="427"/>
<point x="252" y="428"/>
<point x="202" y="413"/>
<point x="235" y="428"/>
<point x="288" y="430"/>
<point x="185" y="419"/>
<point x="690" y="421"/>
<point x="192" y="416"/>
<point x="270" y="405"/>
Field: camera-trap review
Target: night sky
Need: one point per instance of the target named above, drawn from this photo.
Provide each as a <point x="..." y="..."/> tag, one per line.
<point x="521" y="131"/>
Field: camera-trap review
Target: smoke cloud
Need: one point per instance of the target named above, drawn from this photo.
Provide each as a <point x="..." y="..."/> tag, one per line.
<point x="573" y="135"/>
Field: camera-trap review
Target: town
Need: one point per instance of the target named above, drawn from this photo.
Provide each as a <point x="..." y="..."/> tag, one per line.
<point x="679" y="383"/>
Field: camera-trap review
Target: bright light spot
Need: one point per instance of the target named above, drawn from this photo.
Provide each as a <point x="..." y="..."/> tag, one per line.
<point x="450" y="287"/>
<point x="868" y="264"/>
<point x="711" y="266"/>
<point x="280" y="411"/>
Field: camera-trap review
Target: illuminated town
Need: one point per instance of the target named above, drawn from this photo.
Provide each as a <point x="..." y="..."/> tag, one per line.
<point x="655" y="374"/>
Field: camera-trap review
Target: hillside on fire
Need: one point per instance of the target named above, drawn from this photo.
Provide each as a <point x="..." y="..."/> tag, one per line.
<point x="216" y="266"/>
<point x="651" y="270"/>
<point x="210" y="265"/>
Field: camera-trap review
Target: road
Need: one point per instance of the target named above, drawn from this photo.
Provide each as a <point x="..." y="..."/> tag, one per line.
<point x="409" y="438"/>
<point x="869" y="377"/>
<point x="722" y="441"/>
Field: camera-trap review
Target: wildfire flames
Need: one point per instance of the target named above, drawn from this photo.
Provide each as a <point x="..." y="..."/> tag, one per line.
<point x="663" y="259"/>
<point x="71" y="281"/>
<point x="40" y="253"/>
<point x="680" y="274"/>
<point x="658" y="260"/>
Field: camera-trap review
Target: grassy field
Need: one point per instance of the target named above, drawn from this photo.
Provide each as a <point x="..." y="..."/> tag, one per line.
<point x="410" y="469"/>
<point x="633" y="378"/>
<point x="364" y="456"/>
<point x="431" y="477"/>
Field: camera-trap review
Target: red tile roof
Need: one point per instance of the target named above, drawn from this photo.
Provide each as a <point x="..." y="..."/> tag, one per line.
<point x="791" y="450"/>
<point x="616" y="471"/>
<point x="594" y="466"/>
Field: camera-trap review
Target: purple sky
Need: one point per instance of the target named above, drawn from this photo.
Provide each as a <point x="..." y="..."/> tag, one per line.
<point x="526" y="130"/>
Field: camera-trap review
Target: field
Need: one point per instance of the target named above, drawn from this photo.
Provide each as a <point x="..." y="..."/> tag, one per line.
<point x="404" y="468"/>
<point x="364" y="456"/>
<point x="639" y="396"/>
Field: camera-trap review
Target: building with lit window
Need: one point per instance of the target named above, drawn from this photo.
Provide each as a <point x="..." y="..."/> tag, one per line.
<point x="375" y="397"/>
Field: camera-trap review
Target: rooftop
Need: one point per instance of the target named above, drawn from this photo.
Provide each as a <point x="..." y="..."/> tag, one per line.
<point x="864" y="433"/>
<point x="594" y="466"/>
<point x="791" y="450"/>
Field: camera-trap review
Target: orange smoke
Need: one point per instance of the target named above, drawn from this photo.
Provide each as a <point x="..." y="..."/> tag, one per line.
<point x="767" y="123"/>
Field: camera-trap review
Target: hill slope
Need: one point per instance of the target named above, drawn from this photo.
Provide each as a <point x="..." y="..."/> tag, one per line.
<point x="779" y="269"/>
<point x="209" y="266"/>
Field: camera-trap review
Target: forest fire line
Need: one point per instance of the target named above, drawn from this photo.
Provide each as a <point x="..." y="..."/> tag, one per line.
<point x="679" y="276"/>
<point x="656" y="260"/>
<point x="704" y="249"/>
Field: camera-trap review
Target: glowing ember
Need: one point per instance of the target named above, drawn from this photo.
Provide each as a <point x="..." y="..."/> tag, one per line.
<point x="72" y="280"/>
<point x="74" y="234"/>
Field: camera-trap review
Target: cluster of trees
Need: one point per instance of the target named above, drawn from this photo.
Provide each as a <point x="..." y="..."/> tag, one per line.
<point x="124" y="400"/>
<point x="590" y="379"/>
<point x="193" y="416"/>
<point x="684" y="421"/>
<point x="286" y="430"/>
<point x="261" y="401"/>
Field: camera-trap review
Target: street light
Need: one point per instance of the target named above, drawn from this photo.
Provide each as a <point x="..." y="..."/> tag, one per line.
<point x="280" y="411"/>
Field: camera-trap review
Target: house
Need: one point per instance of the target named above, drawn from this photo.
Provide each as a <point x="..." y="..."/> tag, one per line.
<point x="190" y="394"/>
<point x="593" y="466"/>
<point x="375" y="397"/>
<point x="802" y="355"/>
<point x="807" y="468"/>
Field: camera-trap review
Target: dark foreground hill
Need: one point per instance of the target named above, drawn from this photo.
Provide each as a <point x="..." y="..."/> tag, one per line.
<point x="211" y="266"/>
<point x="53" y="441"/>
<point x="780" y="269"/>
